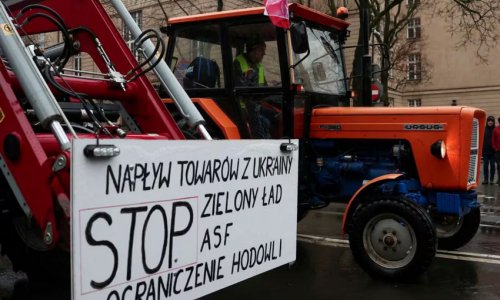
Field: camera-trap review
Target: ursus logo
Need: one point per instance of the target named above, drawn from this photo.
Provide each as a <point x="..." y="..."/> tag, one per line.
<point x="431" y="127"/>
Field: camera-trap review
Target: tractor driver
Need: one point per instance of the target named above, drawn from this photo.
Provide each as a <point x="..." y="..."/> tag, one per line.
<point x="249" y="72"/>
<point x="248" y="68"/>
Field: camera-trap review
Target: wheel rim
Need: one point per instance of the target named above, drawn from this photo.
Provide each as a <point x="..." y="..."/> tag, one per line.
<point x="390" y="241"/>
<point x="448" y="226"/>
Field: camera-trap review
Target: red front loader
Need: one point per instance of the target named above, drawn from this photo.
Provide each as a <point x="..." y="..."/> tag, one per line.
<point x="45" y="103"/>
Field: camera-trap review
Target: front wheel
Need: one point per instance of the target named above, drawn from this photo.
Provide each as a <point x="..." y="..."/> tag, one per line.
<point x="454" y="232"/>
<point x="50" y="266"/>
<point x="392" y="238"/>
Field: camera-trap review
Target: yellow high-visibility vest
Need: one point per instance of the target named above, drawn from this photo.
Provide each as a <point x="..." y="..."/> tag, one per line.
<point x="244" y="68"/>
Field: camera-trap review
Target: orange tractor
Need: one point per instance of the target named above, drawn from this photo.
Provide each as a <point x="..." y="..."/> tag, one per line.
<point x="408" y="174"/>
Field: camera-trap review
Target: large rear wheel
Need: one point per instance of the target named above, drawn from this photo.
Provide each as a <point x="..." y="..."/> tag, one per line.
<point x="392" y="238"/>
<point x="454" y="232"/>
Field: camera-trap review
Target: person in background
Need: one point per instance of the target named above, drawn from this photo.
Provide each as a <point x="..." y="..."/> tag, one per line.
<point x="489" y="152"/>
<point x="495" y="143"/>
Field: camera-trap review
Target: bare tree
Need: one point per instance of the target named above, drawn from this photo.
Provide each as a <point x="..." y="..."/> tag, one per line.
<point x="389" y="18"/>
<point x="329" y="6"/>
<point x="474" y="21"/>
<point x="398" y="66"/>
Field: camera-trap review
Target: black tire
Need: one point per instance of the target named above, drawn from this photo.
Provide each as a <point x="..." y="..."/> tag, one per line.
<point x="45" y="267"/>
<point x="392" y="238"/>
<point x="465" y="231"/>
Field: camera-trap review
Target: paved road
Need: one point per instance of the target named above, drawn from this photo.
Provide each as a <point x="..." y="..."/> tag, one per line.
<point x="325" y="268"/>
<point x="324" y="272"/>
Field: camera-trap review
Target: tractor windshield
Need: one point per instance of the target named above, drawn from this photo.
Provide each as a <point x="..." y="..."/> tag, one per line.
<point x="322" y="70"/>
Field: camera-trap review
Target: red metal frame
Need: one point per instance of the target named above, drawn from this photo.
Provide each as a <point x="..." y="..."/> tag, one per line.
<point x="44" y="190"/>
<point x="32" y="171"/>
<point x="147" y="106"/>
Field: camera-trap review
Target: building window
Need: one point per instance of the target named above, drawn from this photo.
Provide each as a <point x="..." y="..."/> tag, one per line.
<point x="127" y="34"/>
<point x="414" y="67"/>
<point x="414" y="28"/>
<point x="77" y="64"/>
<point x="414" y="102"/>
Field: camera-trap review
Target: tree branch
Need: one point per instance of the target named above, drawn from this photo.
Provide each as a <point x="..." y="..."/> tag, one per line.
<point x="475" y="22"/>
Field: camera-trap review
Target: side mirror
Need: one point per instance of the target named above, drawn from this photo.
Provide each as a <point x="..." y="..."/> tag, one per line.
<point x="300" y="43"/>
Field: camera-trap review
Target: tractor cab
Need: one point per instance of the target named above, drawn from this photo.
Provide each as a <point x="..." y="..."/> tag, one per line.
<point x="259" y="75"/>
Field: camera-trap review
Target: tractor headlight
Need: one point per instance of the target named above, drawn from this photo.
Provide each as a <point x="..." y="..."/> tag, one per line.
<point x="101" y="151"/>
<point x="438" y="149"/>
<point x="288" y="147"/>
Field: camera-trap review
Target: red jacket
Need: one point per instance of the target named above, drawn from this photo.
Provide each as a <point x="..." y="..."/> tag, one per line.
<point x="495" y="140"/>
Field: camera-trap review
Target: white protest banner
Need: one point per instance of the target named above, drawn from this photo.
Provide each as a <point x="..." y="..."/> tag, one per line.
<point x="180" y="219"/>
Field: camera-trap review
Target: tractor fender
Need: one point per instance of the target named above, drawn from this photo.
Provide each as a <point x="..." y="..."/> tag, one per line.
<point x="357" y="198"/>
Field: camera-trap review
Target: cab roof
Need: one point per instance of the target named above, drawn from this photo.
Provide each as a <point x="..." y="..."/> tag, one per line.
<point x="295" y="9"/>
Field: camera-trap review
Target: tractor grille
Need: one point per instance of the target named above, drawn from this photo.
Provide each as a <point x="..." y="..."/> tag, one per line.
<point x="474" y="155"/>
